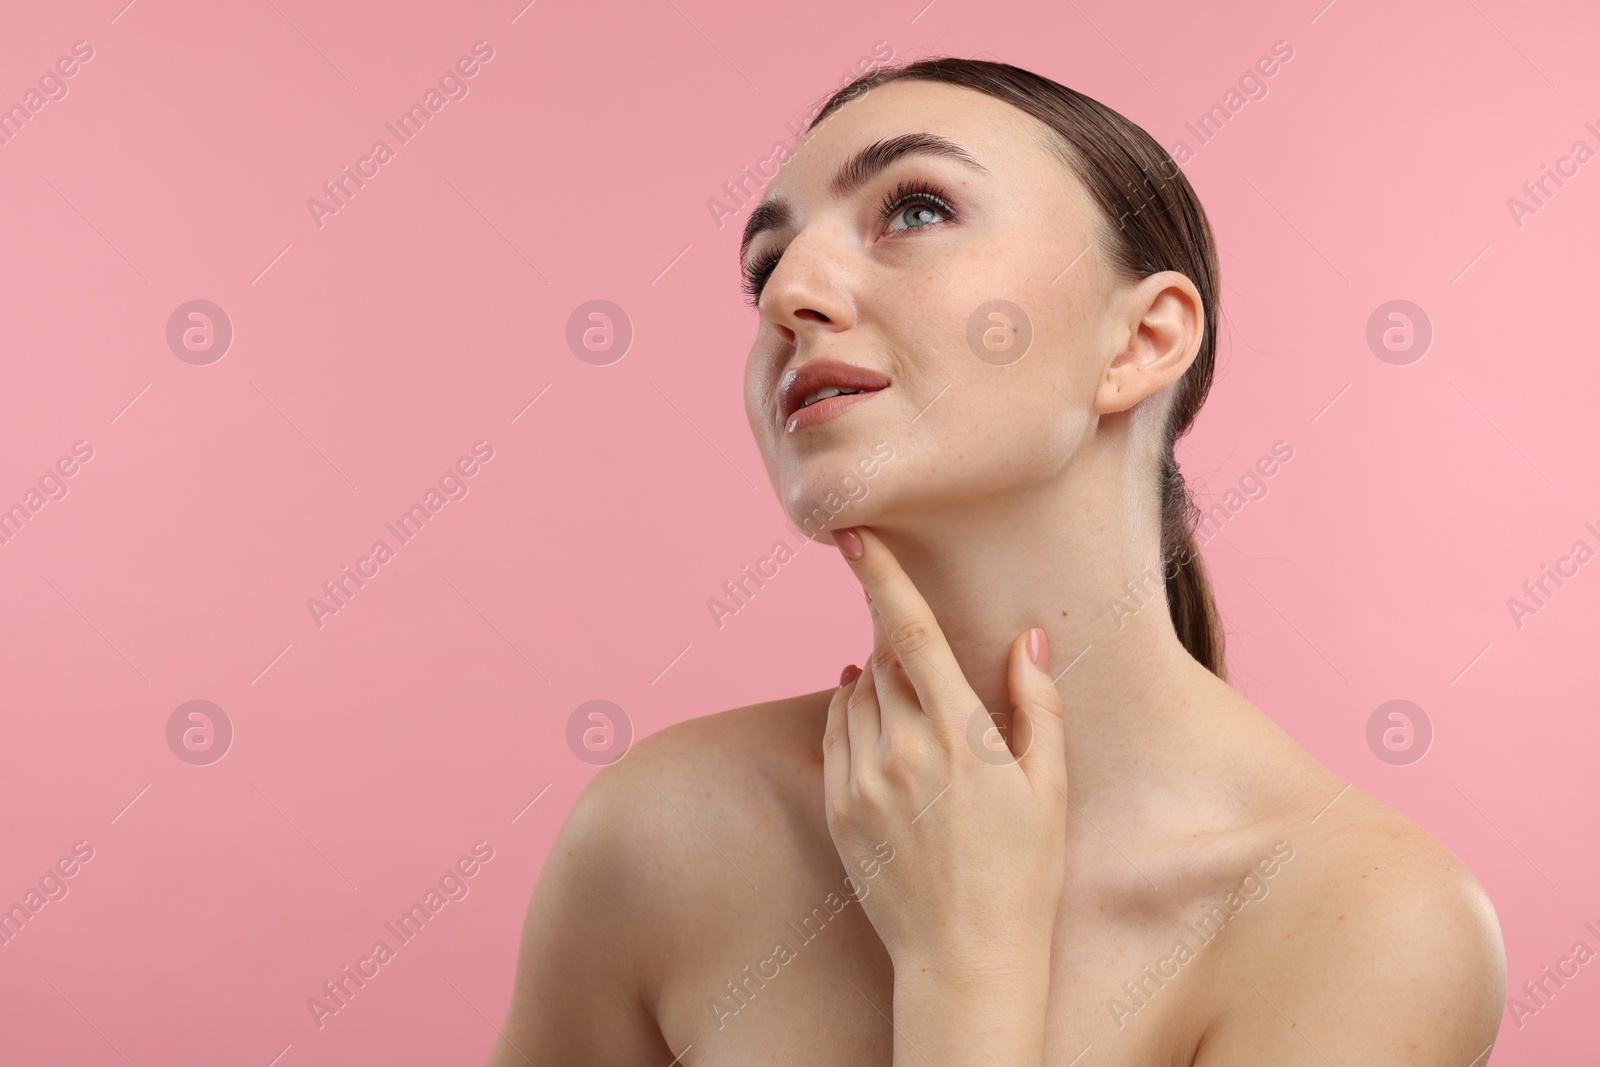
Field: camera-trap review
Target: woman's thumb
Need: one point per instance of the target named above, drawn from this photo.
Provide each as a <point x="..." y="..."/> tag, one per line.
<point x="1034" y="695"/>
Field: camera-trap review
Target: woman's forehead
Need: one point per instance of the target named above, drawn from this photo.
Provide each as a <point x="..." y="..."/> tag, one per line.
<point x="990" y="130"/>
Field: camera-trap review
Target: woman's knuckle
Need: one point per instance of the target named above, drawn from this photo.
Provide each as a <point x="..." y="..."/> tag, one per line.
<point x="865" y="786"/>
<point x="1049" y="699"/>
<point x="884" y="657"/>
<point x="912" y="635"/>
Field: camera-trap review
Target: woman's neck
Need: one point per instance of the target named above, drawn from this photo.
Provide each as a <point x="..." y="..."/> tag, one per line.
<point x="1085" y="566"/>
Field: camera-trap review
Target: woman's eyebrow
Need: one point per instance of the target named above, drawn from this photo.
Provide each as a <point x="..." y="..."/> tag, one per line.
<point x="855" y="172"/>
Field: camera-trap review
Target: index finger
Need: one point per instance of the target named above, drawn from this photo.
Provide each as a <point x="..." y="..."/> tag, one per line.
<point x="912" y="630"/>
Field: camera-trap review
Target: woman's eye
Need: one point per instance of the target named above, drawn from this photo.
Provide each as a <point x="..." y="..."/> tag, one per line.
<point x="755" y="277"/>
<point x="918" y="213"/>
<point x="913" y="205"/>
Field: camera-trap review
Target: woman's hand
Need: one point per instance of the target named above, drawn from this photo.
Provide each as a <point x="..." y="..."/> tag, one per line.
<point x="913" y="762"/>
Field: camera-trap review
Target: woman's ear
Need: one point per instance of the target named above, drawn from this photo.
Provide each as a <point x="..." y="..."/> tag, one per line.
<point x="1164" y="328"/>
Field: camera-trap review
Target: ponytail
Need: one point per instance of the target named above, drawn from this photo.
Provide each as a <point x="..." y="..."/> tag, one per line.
<point x="1189" y="597"/>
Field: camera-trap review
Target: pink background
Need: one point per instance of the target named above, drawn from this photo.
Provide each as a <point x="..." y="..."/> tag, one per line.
<point x="370" y="353"/>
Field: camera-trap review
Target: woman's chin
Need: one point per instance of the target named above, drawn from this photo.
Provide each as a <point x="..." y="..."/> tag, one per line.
<point x="822" y="517"/>
<point x="830" y="495"/>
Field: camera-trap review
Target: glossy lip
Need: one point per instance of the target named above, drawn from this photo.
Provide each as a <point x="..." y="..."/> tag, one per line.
<point x="822" y="374"/>
<point x="824" y="410"/>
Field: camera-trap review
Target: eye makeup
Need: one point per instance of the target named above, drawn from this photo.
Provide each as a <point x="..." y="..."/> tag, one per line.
<point x="906" y="193"/>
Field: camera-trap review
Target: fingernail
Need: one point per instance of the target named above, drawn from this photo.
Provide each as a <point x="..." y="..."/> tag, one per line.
<point x="849" y="674"/>
<point x="1038" y="648"/>
<point x="849" y="543"/>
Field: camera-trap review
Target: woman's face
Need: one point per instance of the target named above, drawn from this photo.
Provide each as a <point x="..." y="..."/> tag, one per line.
<point x="891" y="280"/>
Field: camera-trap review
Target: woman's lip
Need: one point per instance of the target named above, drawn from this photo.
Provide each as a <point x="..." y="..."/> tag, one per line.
<point x="823" y="410"/>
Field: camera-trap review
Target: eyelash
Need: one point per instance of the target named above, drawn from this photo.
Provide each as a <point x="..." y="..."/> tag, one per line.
<point x="755" y="276"/>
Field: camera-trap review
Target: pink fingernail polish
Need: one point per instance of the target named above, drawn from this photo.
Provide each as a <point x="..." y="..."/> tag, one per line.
<point x="849" y="543"/>
<point x="1038" y="648"/>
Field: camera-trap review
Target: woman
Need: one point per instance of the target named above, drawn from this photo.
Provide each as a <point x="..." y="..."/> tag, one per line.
<point x="1036" y="826"/>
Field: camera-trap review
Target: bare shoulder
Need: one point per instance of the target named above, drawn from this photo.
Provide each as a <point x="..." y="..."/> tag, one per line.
<point x="690" y="807"/>
<point x="644" y="868"/>
<point x="1383" y="949"/>
<point x="757" y="736"/>
<point x="748" y="772"/>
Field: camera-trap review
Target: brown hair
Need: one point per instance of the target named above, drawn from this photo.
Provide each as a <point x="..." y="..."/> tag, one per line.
<point x="1160" y="226"/>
